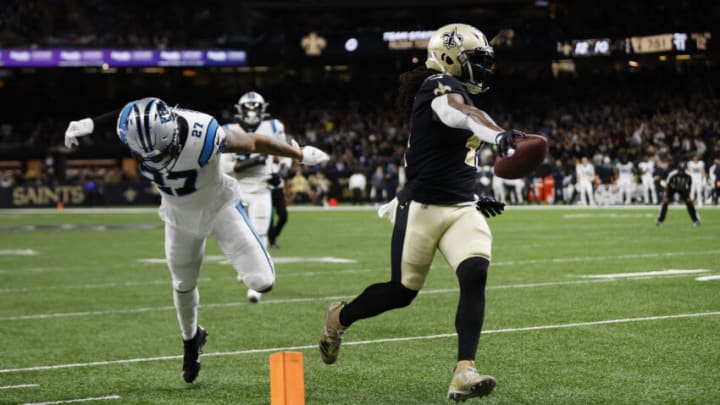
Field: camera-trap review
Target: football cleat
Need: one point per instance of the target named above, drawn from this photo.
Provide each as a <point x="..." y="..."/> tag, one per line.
<point x="467" y="383"/>
<point x="332" y="333"/>
<point x="191" y="359"/>
<point x="253" y="296"/>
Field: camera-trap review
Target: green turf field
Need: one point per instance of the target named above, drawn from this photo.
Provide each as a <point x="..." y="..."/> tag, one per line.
<point x="84" y="317"/>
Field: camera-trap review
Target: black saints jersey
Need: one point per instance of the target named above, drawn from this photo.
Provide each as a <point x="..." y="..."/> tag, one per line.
<point x="440" y="161"/>
<point x="679" y="182"/>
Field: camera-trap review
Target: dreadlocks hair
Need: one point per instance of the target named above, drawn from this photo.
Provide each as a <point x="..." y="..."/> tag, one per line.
<point x="409" y="84"/>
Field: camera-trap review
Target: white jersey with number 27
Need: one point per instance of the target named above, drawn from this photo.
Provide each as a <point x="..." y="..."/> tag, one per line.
<point x="195" y="189"/>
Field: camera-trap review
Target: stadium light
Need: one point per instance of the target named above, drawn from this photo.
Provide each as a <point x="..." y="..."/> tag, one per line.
<point x="351" y="44"/>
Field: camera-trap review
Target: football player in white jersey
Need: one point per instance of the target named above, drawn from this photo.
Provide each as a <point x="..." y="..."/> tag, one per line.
<point x="179" y="150"/>
<point x="253" y="171"/>
<point x="624" y="172"/>
<point x="647" y="179"/>
<point x="696" y="170"/>
<point x="585" y="173"/>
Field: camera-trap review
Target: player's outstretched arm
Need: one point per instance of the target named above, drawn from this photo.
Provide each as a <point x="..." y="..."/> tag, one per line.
<point x="453" y="112"/>
<point x="87" y="126"/>
<point x="238" y="142"/>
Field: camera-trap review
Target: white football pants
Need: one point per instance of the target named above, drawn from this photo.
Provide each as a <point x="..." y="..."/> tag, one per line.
<point x="242" y="246"/>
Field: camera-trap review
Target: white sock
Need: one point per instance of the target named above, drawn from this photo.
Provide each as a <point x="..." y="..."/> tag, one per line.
<point x="186" y="305"/>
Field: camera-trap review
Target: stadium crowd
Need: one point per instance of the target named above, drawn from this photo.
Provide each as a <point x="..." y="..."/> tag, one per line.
<point x="603" y="119"/>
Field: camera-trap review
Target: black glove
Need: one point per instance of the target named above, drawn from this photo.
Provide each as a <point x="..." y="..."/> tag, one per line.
<point x="274" y="180"/>
<point x="489" y="206"/>
<point x="506" y="140"/>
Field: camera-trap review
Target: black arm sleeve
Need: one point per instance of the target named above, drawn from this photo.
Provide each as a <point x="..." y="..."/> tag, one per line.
<point x="106" y="122"/>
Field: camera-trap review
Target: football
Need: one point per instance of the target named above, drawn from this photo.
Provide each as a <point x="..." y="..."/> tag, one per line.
<point x="529" y="152"/>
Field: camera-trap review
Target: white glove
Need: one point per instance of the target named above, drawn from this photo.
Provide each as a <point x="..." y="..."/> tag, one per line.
<point x="313" y="156"/>
<point x="77" y="129"/>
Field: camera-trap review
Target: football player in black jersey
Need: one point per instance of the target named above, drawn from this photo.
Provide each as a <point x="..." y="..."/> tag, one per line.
<point x="438" y="209"/>
<point x="678" y="182"/>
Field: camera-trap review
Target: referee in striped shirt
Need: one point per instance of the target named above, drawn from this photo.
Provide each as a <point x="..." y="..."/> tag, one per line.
<point x="678" y="182"/>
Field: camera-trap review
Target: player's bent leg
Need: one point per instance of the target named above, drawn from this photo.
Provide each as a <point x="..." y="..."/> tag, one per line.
<point x="243" y="247"/>
<point x="412" y="250"/>
<point x="376" y="299"/>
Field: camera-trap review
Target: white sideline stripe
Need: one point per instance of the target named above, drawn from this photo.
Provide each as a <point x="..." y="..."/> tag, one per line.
<point x="708" y="278"/>
<point x="18" y="252"/>
<point x="297" y="300"/>
<point x="10" y="387"/>
<point x="646" y="273"/>
<point x="364" y="342"/>
<point x="72" y="401"/>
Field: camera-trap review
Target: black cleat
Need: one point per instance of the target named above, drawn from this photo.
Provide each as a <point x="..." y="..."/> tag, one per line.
<point x="191" y="359"/>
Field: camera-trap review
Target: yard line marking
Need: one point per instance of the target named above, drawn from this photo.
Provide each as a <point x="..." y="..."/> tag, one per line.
<point x="365" y="342"/>
<point x="10" y="387"/>
<point x="299" y="300"/>
<point x="708" y="278"/>
<point x="72" y="401"/>
<point x="646" y="273"/>
<point x="596" y="258"/>
<point x="89" y="286"/>
<point x="18" y="252"/>
<point x="276" y="260"/>
<point x="609" y="215"/>
<point x="221" y="259"/>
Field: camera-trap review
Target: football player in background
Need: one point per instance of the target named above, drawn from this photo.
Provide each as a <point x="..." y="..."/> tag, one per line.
<point x="647" y="171"/>
<point x="438" y="209"/>
<point x="178" y="150"/>
<point x="585" y="173"/>
<point x="714" y="180"/>
<point x="254" y="171"/>
<point x="678" y="182"/>
<point x="696" y="169"/>
<point x="625" y="175"/>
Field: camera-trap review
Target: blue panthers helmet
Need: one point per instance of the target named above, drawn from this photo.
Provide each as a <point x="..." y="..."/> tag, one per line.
<point x="150" y="129"/>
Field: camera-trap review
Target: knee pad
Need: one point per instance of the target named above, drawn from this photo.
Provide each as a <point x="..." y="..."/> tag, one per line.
<point x="181" y="288"/>
<point x="473" y="271"/>
<point x="259" y="282"/>
<point x="401" y="296"/>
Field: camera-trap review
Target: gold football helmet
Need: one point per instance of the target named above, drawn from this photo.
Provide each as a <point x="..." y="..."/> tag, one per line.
<point x="464" y="52"/>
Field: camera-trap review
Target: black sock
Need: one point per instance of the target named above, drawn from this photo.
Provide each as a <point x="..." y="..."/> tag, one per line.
<point x="691" y="211"/>
<point x="663" y="212"/>
<point x="375" y="300"/>
<point x="472" y="276"/>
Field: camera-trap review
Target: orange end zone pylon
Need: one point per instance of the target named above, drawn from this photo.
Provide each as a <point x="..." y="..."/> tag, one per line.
<point x="287" y="379"/>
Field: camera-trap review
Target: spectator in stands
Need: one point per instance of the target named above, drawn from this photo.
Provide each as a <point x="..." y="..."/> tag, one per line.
<point x="319" y="187"/>
<point x="376" y="183"/>
<point x="300" y="187"/>
<point x="357" y="185"/>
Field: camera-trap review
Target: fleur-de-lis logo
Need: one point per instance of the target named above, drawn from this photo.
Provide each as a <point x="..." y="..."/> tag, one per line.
<point x="452" y="39"/>
<point x="441" y="89"/>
